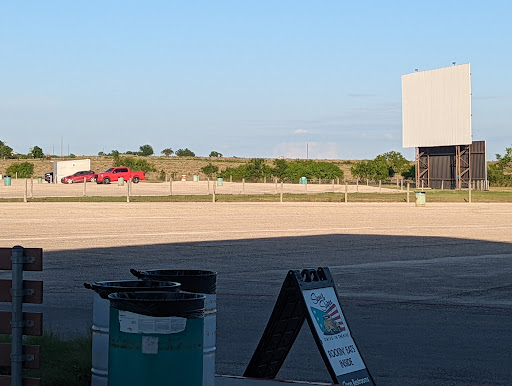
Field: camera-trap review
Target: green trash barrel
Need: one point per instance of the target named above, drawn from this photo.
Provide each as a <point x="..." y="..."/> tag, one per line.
<point x="39" y="180"/>
<point x="101" y="318"/>
<point x="7" y="181"/>
<point x="220" y="181"/>
<point x="421" y="198"/>
<point x="199" y="282"/>
<point x="120" y="181"/>
<point x="303" y="180"/>
<point x="196" y="178"/>
<point x="156" y="338"/>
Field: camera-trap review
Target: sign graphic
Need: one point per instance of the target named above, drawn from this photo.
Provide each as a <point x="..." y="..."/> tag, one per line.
<point x="310" y="295"/>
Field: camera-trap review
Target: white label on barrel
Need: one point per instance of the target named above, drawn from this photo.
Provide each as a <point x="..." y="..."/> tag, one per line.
<point x="141" y="324"/>
<point x="150" y="344"/>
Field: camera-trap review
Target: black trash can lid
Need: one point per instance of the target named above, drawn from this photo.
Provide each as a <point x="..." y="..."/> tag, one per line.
<point x="104" y="288"/>
<point x="159" y="303"/>
<point x="191" y="280"/>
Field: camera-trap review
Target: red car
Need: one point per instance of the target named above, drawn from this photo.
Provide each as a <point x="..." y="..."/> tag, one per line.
<point x="78" y="177"/>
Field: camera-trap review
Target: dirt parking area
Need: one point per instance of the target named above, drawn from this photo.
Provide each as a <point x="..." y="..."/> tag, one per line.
<point x="62" y="226"/>
<point x="427" y="290"/>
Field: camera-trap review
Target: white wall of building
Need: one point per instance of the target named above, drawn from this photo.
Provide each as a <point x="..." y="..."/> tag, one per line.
<point x="66" y="168"/>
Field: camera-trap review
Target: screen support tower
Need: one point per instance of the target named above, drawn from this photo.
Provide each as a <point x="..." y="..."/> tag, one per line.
<point x="462" y="158"/>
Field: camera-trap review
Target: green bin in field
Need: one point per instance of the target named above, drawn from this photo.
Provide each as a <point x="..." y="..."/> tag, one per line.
<point x="7" y="181"/>
<point x="220" y="181"/>
<point x="120" y="181"/>
<point x="421" y="198"/>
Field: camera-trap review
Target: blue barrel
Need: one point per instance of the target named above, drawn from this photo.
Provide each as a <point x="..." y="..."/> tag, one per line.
<point x="101" y="318"/>
<point x="220" y="181"/>
<point x="156" y="338"/>
<point x="202" y="282"/>
<point x="303" y="180"/>
<point x="7" y="181"/>
<point x="120" y="181"/>
<point x="421" y="198"/>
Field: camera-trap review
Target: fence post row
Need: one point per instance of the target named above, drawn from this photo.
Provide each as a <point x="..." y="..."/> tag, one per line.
<point x="19" y="323"/>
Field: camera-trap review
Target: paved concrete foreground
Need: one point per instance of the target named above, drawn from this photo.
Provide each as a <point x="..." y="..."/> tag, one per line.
<point x="427" y="291"/>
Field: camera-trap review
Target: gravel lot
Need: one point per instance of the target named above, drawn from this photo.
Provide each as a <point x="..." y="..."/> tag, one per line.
<point x="34" y="189"/>
<point x="427" y="291"/>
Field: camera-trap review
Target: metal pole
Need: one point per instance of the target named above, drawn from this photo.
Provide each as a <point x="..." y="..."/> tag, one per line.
<point x="243" y="185"/>
<point x="128" y="191"/>
<point x="276" y="185"/>
<point x="306" y="185"/>
<point x="346" y="191"/>
<point x="85" y="184"/>
<point x="469" y="189"/>
<point x="357" y="185"/>
<point x="25" y="193"/>
<point x="380" y="186"/>
<point x="213" y="194"/>
<point x="31" y="187"/>
<point x="281" y="195"/>
<point x="208" y="178"/>
<point x="402" y="185"/>
<point x="408" y="186"/>
<point x="17" y="316"/>
<point x="332" y="185"/>
<point x="170" y="186"/>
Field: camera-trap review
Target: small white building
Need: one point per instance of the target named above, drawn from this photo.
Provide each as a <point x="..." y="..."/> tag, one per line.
<point x="66" y="168"/>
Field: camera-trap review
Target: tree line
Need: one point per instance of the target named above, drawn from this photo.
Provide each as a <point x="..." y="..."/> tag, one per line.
<point x="257" y="170"/>
<point x="147" y="151"/>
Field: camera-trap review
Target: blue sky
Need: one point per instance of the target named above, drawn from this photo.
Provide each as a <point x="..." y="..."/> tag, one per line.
<point x="244" y="78"/>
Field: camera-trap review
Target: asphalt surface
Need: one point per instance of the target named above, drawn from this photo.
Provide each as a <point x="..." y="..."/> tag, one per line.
<point x="427" y="292"/>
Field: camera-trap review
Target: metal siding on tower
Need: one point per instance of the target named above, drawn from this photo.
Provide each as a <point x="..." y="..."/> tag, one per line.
<point x="436" y="107"/>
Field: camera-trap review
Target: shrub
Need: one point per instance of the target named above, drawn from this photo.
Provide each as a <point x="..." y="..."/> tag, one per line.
<point x="135" y="164"/>
<point x="24" y="170"/>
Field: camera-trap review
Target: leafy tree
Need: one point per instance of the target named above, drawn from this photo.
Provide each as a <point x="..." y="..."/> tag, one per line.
<point x="24" y="169"/>
<point x="254" y="170"/>
<point x="168" y="152"/>
<point x="210" y="169"/>
<point x="114" y="153"/>
<point x="185" y="153"/>
<point x="135" y="164"/>
<point x="362" y="169"/>
<point x="380" y="168"/>
<point x="293" y="171"/>
<point x="5" y="151"/>
<point x="215" y="154"/>
<point x="101" y="153"/>
<point x="397" y="163"/>
<point x="36" y="152"/>
<point x="280" y="168"/>
<point x="146" y="150"/>
<point x="500" y="173"/>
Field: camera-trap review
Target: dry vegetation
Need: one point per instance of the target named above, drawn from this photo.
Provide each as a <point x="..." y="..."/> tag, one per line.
<point x="172" y="166"/>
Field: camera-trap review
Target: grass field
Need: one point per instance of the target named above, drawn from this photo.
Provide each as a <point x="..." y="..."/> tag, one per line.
<point x="492" y="196"/>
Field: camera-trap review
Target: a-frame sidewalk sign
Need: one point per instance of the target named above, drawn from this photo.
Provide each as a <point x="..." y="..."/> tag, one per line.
<point x="310" y="294"/>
